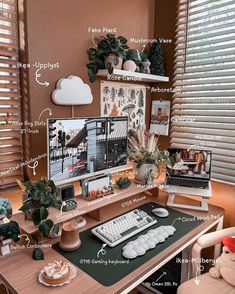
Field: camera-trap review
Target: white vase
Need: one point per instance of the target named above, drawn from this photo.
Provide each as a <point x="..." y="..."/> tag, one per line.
<point x="145" y="173"/>
<point x="112" y="59"/>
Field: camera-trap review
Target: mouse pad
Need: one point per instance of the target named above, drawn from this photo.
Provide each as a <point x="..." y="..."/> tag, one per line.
<point x="109" y="267"/>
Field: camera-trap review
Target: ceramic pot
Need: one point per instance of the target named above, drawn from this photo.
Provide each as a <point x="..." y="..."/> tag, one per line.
<point x="145" y="174"/>
<point x="129" y="65"/>
<point x="112" y="58"/>
<point x="70" y="239"/>
<point x="146" y="66"/>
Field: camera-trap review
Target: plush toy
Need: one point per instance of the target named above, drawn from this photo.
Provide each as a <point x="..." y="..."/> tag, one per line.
<point x="225" y="264"/>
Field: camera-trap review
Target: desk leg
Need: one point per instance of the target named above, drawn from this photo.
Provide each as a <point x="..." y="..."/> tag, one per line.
<point x="186" y="268"/>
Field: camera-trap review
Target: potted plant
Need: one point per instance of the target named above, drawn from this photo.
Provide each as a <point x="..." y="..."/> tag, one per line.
<point x="107" y="54"/>
<point x="37" y="198"/>
<point x="145" y="155"/>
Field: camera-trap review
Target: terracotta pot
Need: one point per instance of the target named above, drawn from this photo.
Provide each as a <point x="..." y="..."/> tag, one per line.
<point x="70" y="239"/>
<point x="145" y="173"/>
<point x="112" y="59"/>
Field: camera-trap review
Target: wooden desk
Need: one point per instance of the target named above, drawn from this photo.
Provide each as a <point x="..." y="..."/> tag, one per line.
<point x="19" y="272"/>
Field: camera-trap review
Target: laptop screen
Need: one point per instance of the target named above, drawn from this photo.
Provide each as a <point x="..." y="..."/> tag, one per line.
<point x="190" y="163"/>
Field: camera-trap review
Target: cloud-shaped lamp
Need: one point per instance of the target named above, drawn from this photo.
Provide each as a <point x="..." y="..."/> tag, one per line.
<point x="72" y="91"/>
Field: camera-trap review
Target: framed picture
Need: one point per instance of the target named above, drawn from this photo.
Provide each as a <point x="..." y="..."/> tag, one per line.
<point x="160" y="117"/>
<point x="120" y="99"/>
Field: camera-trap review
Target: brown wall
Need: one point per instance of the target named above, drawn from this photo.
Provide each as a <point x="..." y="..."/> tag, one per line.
<point x="57" y="31"/>
<point x="165" y="23"/>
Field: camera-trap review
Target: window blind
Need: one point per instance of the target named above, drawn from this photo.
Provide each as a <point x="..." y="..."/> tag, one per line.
<point x="10" y="114"/>
<point x="203" y="110"/>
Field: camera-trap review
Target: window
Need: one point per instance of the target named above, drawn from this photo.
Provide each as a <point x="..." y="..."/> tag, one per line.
<point x="203" y="110"/>
<point x="10" y="138"/>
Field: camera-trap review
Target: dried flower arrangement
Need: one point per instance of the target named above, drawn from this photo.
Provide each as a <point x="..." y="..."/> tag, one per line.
<point x="143" y="148"/>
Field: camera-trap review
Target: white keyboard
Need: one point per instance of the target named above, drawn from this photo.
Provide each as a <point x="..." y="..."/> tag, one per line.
<point x="147" y="241"/>
<point x="123" y="227"/>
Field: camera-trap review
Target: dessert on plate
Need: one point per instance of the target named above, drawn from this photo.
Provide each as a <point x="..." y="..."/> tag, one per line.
<point x="57" y="272"/>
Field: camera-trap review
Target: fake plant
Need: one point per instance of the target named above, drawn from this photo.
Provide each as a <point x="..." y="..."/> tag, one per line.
<point x="38" y="196"/>
<point x="123" y="182"/>
<point x="108" y="45"/>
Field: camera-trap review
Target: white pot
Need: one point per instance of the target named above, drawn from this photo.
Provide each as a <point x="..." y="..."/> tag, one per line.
<point x="145" y="173"/>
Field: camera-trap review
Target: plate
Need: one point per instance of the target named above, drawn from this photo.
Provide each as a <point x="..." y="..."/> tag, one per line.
<point x="72" y="276"/>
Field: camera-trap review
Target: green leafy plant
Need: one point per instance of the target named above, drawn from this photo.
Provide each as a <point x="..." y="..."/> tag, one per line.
<point x="38" y="196"/>
<point x="143" y="148"/>
<point x="108" y="45"/>
<point x="123" y="182"/>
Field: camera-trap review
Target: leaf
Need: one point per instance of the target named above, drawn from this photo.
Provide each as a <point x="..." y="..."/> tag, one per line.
<point x="43" y="213"/>
<point x="25" y="207"/>
<point x="36" y="216"/>
<point x="38" y="254"/>
<point x="46" y="226"/>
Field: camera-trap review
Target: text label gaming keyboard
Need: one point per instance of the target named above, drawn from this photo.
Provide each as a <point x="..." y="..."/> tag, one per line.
<point x="123" y="227"/>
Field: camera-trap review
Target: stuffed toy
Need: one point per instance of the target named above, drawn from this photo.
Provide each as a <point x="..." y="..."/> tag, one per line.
<point x="225" y="264"/>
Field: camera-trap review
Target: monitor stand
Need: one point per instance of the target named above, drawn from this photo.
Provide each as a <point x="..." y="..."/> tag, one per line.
<point x="203" y="200"/>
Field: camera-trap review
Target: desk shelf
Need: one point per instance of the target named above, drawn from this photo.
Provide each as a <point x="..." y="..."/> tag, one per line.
<point x="134" y="76"/>
<point x="84" y="207"/>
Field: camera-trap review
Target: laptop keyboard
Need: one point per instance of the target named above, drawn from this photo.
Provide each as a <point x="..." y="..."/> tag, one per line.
<point x="189" y="183"/>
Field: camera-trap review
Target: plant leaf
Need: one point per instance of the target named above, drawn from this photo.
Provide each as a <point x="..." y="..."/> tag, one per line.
<point x="36" y="216"/>
<point x="43" y="213"/>
<point x="38" y="254"/>
<point x="46" y="226"/>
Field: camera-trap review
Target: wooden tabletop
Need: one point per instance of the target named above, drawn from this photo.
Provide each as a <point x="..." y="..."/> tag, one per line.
<point x="20" y="272"/>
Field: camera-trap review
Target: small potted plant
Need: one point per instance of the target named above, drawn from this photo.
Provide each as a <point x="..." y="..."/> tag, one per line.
<point x="107" y="54"/>
<point x="37" y="198"/>
<point x="123" y="182"/>
<point x="145" y="155"/>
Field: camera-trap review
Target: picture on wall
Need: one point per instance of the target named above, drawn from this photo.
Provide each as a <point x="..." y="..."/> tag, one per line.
<point x="120" y="99"/>
<point x="160" y="117"/>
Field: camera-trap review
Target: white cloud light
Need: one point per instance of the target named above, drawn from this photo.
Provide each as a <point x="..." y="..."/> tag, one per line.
<point x="72" y="91"/>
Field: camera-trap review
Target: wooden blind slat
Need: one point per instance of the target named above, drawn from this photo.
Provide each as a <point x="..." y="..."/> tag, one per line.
<point x="10" y="149"/>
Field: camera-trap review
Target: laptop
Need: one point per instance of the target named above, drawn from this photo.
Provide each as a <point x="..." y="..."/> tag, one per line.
<point x="190" y="172"/>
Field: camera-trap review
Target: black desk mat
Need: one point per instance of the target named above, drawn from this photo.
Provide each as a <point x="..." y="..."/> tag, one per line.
<point x="108" y="269"/>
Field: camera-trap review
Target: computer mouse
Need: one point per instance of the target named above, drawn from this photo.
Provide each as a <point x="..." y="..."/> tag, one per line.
<point x="160" y="212"/>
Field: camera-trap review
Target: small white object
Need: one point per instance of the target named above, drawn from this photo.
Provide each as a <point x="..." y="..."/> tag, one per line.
<point x="151" y="244"/>
<point x="160" y="237"/>
<point x="130" y="253"/>
<point x="160" y="212"/>
<point x="129" y="65"/>
<point x="72" y="91"/>
<point x="5" y="250"/>
<point x="139" y="250"/>
<point x="147" y="241"/>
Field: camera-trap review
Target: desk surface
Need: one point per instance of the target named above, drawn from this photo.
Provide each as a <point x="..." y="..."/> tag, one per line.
<point x="19" y="272"/>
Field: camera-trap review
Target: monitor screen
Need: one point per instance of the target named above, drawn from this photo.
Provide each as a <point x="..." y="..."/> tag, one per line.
<point x="81" y="147"/>
<point x="190" y="163"/>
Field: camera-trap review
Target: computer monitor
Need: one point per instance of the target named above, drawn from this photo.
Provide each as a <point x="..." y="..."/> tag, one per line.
<point x="194" y="164"/>
<point x="82" y="147"/>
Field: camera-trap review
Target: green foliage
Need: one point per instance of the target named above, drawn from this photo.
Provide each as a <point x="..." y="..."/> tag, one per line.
<point x="38" y="254"/>
<point x="110" y="44"/>
<point x="123" y="182"/>
<point x="10" y="230"/>
<point x="39" y="196"/>
<point x="40" y="193"/>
